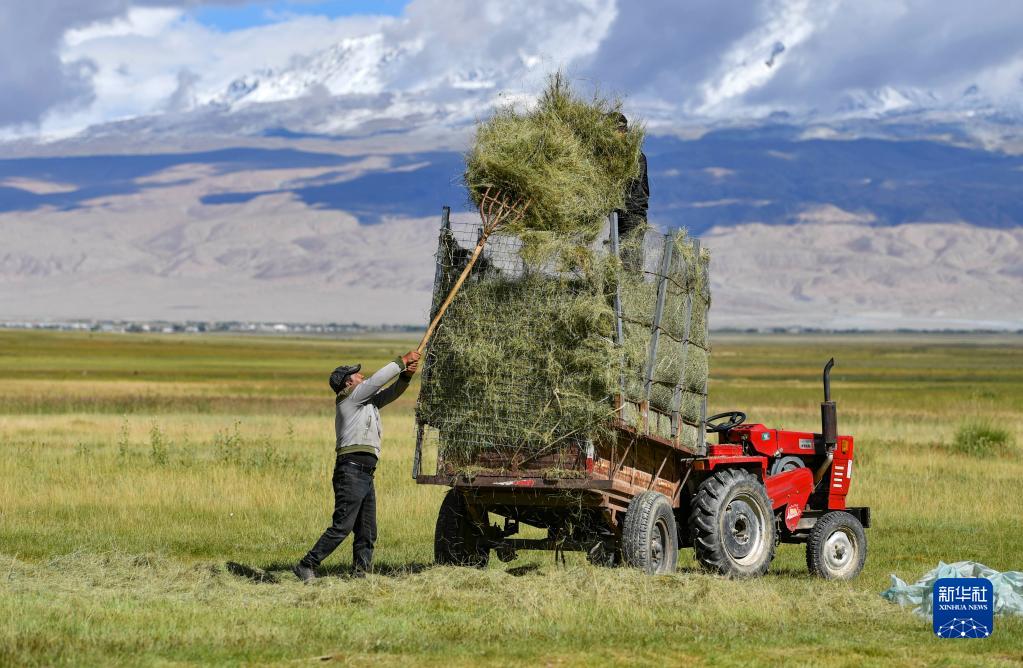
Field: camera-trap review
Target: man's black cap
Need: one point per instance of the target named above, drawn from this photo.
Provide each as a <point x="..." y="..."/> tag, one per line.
<point x="339" y="376"/>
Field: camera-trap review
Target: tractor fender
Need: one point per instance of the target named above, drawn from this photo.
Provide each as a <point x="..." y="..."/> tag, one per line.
<point x="755" y="465"/>
<point x="790" y="489"/>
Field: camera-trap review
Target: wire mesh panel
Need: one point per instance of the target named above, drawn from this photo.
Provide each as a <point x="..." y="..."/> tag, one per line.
<point x="666" y="350"/>
<point x="524" y="369"/>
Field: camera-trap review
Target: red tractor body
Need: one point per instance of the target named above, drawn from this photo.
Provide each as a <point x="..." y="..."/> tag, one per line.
<point x="793" y="487"/>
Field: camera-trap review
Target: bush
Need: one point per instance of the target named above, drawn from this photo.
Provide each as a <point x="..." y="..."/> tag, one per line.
<point x="157" y="445"/>
<point x="981" y="437"/>
<point x="228" y="444"/>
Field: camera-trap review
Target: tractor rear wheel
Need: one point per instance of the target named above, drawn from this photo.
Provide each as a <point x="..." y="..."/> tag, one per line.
<point x="732" y="524"/>
<point x="458" y="540"/>
<point x="649" y="534"/>
<point x="837" y="547"/>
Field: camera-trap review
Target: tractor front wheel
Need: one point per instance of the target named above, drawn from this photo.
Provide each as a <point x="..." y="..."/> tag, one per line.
<point x="458" y="540"/>
<point x="837" y="547"/>
<point x="649" y="534"/>
<point x="733" y="525"/>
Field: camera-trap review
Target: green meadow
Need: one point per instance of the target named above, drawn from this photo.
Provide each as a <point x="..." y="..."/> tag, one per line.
<point x="154" y="491"/>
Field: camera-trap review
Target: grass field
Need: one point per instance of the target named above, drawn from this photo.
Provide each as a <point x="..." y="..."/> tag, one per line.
<point x="141" y="476"/>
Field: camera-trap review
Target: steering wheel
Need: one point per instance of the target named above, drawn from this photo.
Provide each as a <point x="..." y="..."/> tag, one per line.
<point x="734" y="419"/>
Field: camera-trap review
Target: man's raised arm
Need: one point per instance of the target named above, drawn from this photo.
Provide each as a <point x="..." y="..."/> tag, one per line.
<point x="370" y="388"/>
<point x="385" y="396"/>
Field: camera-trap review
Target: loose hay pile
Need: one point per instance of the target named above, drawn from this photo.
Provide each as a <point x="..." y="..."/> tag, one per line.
<point x="565" y="157"/>
<point x="525" y="362"/>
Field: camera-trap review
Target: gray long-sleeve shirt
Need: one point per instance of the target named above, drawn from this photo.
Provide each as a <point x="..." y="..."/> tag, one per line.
<point x="357" y="421"/>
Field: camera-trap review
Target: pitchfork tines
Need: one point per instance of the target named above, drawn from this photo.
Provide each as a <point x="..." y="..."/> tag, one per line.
<point x="497" y="209"/>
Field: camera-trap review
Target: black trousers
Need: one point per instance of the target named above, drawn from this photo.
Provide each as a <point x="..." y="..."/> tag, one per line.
<point x="632" y="249"/>
<point x="355" y="509"/>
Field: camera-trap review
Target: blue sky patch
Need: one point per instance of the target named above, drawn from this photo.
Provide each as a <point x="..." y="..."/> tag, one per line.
<point x="239" y="17"/>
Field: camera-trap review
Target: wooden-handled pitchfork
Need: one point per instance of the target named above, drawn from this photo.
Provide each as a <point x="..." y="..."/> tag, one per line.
<point x="495" y="210"/>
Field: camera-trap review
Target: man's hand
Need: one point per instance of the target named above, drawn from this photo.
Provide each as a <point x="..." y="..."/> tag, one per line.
<point x="411" y="361"/>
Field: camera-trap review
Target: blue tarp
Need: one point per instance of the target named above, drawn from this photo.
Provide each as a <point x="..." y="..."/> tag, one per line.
<point x="1008" y="587"/>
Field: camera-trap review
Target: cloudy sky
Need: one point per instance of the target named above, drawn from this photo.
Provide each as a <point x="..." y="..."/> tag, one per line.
<point x="68" y="64"/>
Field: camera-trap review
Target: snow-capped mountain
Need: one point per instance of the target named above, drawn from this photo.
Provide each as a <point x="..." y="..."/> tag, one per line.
<point x="359" y="84"/>
<point x="357" y="66"/>
<point x="354" y="66"/>
<point x="407" y="67"/>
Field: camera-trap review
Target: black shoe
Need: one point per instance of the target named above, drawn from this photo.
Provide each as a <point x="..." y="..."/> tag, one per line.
<point x="303" y="572"/>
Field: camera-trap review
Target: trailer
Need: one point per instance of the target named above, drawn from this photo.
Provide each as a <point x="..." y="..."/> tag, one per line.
<point x="638" y="496"/>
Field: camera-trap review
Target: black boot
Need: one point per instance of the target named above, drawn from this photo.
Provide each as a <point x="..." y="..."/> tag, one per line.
<point x="303" y="572"/>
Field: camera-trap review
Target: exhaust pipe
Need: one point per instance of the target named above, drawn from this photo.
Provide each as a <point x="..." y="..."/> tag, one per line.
<point x="829" y="412"/>
<point x="829" y="423"/>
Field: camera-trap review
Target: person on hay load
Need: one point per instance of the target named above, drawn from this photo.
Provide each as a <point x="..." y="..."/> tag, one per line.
<point x="632" y="218"/>
<point x="357" y="424"/>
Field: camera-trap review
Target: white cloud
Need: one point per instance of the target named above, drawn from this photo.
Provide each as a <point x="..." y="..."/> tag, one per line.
<point x="754" y="59"/>
<point x="151" y="60"/>
<point x="710" y="58"/>
<point x="138" y="22"/>
<point x="891" y="54"/>
<point x="36" y="77"/>
<point x="674" y="61"/>
<point x="140" y="58"/>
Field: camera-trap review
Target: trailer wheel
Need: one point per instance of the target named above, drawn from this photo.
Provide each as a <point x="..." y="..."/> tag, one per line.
<point x="837" y="547"/>
<point x="649" y="534"/>
<point x="458" y="540"/>
<point x="732" y="524"/>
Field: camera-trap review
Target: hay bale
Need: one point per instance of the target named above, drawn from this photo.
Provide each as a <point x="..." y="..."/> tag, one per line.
<point x="690" y="435"/>
<point x="687" y="282"/>
<point x="516" y="365"/>
<point x="565" y="156"/>
<point x="690" y="403"/>
<point x="686" y="367"/>
<point x="686" y="298"/>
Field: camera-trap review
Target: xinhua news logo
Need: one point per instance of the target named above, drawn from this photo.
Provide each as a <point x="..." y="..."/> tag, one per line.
<point x="963" y="608"/>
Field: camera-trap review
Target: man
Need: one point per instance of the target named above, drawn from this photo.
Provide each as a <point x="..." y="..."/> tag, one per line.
<point x="357" y="424"/>
<point x="637" y="201"/>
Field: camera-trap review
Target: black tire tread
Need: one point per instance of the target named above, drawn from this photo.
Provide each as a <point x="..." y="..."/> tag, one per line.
<point x="639" y="519"/>
<point x="454" y="537"/>
<point x="815" y="542"/>
<point x="707" y="505"/>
